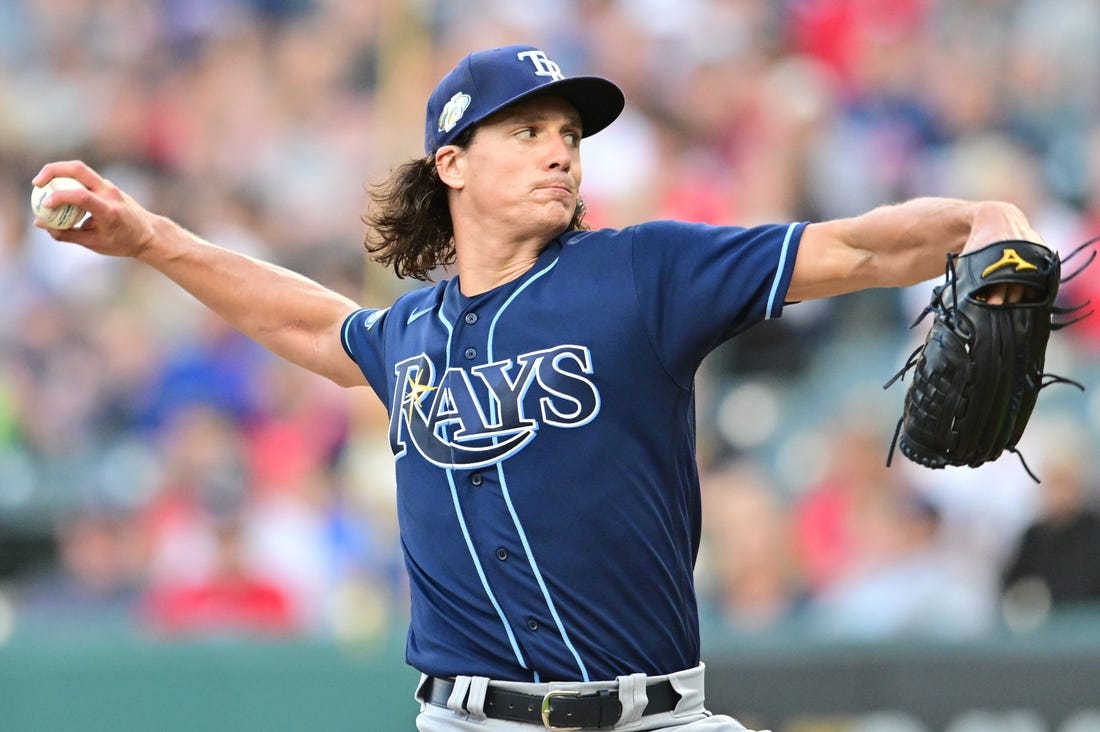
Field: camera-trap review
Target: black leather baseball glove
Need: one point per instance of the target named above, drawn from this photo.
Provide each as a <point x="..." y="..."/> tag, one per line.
<point x="980" y="369"/>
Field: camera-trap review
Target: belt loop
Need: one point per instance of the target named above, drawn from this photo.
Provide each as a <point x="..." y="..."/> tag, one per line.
<point x="419" y="694"/>
<point x="456" y="702"/>
<point x="475" y="702"/>
<point x="632" y="696"/>
<point x="689" y="685"/>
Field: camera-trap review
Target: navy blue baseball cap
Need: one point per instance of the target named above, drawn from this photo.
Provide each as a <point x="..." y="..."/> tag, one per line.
<point x="487" y="81"/>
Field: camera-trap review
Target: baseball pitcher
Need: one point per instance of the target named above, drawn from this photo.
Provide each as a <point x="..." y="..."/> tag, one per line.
<point x="540" y="386"/>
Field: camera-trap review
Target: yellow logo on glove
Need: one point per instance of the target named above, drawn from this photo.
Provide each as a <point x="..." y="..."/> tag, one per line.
<point x="1008" y="258"/>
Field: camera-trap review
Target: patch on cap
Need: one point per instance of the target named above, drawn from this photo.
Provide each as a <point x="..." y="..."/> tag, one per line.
<point x="453" y="111"/>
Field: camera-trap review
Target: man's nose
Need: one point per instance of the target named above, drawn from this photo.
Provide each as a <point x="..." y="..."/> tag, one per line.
<point x="560" y="155"/>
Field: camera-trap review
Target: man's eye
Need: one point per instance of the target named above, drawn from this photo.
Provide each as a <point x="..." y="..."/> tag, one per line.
<point x="526" y="132"/>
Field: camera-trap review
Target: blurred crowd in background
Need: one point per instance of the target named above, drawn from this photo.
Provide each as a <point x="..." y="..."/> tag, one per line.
<point x="161" y="474"/>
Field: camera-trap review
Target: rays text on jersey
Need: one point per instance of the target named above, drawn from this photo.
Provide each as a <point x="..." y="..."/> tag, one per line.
<point x="478" y="416"/>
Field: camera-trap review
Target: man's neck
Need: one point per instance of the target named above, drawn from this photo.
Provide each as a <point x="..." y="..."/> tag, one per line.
<point x="486" y="263"/>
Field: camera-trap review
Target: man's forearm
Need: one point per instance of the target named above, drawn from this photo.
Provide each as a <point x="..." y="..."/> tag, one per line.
<point x="898" y="245"/>
<point x="293" y="316"/>
<point x="925" y="230"/>
<point x="908" y="242"/>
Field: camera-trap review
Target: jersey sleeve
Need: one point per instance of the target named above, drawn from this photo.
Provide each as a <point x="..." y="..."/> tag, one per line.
<point x="363" y="338"/>
<point x="700" y="284"/>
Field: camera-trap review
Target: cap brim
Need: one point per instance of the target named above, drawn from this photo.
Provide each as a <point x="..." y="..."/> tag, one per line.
<point x="598" y="101"/>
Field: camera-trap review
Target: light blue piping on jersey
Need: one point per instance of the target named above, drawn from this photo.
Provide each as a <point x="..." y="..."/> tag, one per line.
<point x="508" y="498"/>
<point x="466" y="531"/>
<point x="481" y="570"/>
<point x="345" y="339"/>
<point x="779" y="271"/>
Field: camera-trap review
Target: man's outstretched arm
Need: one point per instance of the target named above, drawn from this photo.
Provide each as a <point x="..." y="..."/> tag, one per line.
<point x="899" y="245"/>
<point x="293" y="316"/>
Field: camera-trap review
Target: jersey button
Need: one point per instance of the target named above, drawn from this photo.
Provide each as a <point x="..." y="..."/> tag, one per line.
<point x="476" y="479"/>
<point x="471" y="318"/>
<point x="532" y="624"/>
<point x="502" y="554"/>
<point x="471" y="353"/>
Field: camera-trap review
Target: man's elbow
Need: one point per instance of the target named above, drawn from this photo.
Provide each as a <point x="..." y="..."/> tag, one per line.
<point x="347" y="380"/>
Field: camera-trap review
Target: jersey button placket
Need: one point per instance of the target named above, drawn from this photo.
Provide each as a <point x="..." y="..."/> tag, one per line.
<point x="470" y="318"/>
<point x="470" y="353"/>
<point x="476" y="479"/>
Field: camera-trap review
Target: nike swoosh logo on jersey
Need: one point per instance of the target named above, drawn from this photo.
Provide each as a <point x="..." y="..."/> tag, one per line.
<point x="417" y="314"/>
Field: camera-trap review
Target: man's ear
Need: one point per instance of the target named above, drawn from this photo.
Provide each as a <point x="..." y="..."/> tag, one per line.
<point x="448" y="164"/>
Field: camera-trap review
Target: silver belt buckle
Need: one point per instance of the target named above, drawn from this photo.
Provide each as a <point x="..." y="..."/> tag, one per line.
<point x="546" y="709"/>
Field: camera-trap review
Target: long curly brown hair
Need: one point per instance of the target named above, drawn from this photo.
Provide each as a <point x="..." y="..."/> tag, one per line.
<point x="409" y="221"/>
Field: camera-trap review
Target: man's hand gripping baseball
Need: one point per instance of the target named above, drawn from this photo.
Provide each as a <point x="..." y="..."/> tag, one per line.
<point x="118" y="225"/>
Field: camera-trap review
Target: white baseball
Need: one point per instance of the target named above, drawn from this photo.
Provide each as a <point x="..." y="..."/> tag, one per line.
<point x="61" y="217"/>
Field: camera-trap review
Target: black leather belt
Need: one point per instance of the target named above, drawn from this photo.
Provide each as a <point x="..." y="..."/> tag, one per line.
<point x="560" y="710"/>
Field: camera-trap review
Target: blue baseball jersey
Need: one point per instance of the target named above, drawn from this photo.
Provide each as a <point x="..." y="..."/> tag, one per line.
<point x="544" y="435"/>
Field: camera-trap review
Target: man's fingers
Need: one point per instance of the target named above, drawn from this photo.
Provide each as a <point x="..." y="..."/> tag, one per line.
<point x="1005" y="294"/>
<point x="93" y="197"/>
<point x="77" y="169"/>
<point x="73" y="235"/>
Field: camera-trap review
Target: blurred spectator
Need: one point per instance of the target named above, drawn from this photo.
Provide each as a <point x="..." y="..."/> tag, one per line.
<point x="839" y="521"/>
<point x="205" y="476"/>
<point x="878" y="561"/>
<point x="97" y="580"/>
<point x="203" y="575"/>
<point x="1059" y="553"/>
<point x="912" y="588"/>
<point x="752" y="582"/>
<point x="298" y="430"/>
<point x="1085" y="287"/>
<point x="217" y="368"/>
<point x="229" y="599"/>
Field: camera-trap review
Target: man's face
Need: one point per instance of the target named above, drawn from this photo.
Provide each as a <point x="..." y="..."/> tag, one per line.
<point x="523" y="167"/>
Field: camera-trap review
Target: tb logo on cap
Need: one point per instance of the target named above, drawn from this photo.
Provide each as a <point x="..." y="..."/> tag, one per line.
<point x="543" y="65"/>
